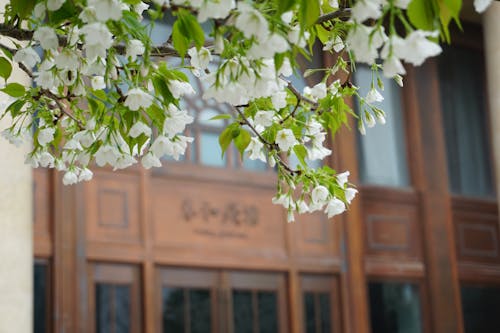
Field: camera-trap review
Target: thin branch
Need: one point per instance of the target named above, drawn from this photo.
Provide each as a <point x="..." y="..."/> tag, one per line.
<point x="249" y="124"/>
<point x="61" y="107"/>
<point x="291" y="114"/>
<point x="297" y="93"/>
<point x="341" y="13"/>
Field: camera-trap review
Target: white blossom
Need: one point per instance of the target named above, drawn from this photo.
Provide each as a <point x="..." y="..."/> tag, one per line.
<point x="46" y="135"/>
<point x="106" y="154"/>
<point x="98" y="83"/>
<point x="199" y="59"/>
<point x="319" y="194"/>
<point x="27" y="56"/>
<point x="215" y="9"/>
<point x="180" y="88"/>
<point x="350" y="193"/>
<point x="70" y="178"/>
<point x="150" y="160"/>
<point x="54" y="5"/>
<point x="316" y="92"/>
<point x="67" y="59"/>
<point x="140" y="7"/>
<point x="279" y="99"/>
<point x="137" y="98"/>
<point x="403" y="4"/>
<point x="264" y="118"/>
<point x="255" y="150"/>
<point x="285" y="139"/>
<point x="47" y="38"/>
<point x="106" y="9"/>
<point x="373" y="96"/>
<point x="176" y="121"/>
<point x="417" y="47"/>
<point x="342" y="178"/>
<point x="85" y="175"/>
<point x="481" y="5"/>
<point x="365" y="9"/>
<point x="135" y="48"/>
<point x="139" y="128"/>
<point x="39" y="11"/>
<point x="334" y="207"/>
<point x="251" y="22"/>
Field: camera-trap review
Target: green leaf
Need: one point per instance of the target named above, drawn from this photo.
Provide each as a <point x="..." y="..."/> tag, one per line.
<point x="448" y="10"/>
<point x="284" y="5"/>
<point x="15" y="108"/>
<point x="194" y="28"/>
<point x="5" y="68"/>
<point x="242" y="141"/>
<point x="23" y="8"/>
<point x="309" y="12"/>
<point x="301" y="153"/>
<point x="180" y="42"/>
<point x="221" y="116"/>
<point x="225" y="139"/>
<point x="421" y="14"/>
<point x="14" y="90"/>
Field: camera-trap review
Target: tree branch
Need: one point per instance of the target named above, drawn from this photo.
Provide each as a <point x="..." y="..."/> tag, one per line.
<point x="341" y="13"/>
<point x="297" y="93"/>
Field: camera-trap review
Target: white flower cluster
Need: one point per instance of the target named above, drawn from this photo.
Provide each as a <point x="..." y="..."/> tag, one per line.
<point x="104" y="93"/>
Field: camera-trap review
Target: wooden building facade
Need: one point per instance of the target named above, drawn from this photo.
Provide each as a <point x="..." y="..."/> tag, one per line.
<point x="197" y="245"/>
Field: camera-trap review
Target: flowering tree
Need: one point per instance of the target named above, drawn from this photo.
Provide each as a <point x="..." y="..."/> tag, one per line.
<point x="104" y="92"/>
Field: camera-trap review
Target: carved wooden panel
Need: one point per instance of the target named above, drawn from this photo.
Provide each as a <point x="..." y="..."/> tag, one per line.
<point x="317" y="236"/>
<point x="42" y="211"/>
<point x="113" y="208"/>
<point x="476" y="231"/>
<point x="203" y="216"/>
<point x="391" y="226"/>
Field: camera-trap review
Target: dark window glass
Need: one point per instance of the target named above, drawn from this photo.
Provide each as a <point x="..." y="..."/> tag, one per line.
<point x="395" y="307"/>
<point x="242" y="311"/>
<point x="268" y="316"/>
<point x="199" y="304"/>
<point x="382" y="151"/>
<point x="265" y="304"/>
<point x="309" y="309"/>
<point x="481" y="308"/>
<point x="318" y="312"/>
<point x="40" y="309"/>
<point x="173" y="310"/>
<point x="186" y="310"/>
<point x="463" y="101"/>
<point x="326" y="312"/>
<point x="112" y="308"/>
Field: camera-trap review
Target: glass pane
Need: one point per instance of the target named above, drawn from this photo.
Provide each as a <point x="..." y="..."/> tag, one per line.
<point x="173" y="310"/>
<point x="268" y="312"/>
<point x="40" y="297"/>
<point x="199" y="303"/>
<point x="326" y="312"/>
<point x="253" y="165"/>
<point x="122" y="309"/>
<point x="210" y="152"/>
<point x="481" y="308"/>
<point x="382" y="151"/>
<point x="242" y="311"/>
<point x="462" y="88"/>
<point x="103" y="299"/>
<point x="395" y="307"/>
<point x="310" y="313"/>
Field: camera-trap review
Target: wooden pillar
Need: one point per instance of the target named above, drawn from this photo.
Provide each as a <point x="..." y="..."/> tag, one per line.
<point x="431" y="182"/>
<point x="491" y="24"/>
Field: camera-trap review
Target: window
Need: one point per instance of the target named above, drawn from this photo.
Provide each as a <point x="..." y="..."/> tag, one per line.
<point x="463" y="103"/>
<point x="203" y="301"/>
<point x="382" y="151"/>
<point x="320" y="298"/>
<point x="41" y="308"/>
<point x="481" y="306"/>
<point x="395" y="307"/>
<point x="115" y="297"/>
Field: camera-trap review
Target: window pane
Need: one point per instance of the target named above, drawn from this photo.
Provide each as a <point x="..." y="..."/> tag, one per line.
<point x="253" y="165"/>
<point x="210" y="152"/>
<point x="481" y="309"/>
<point x="173" y="310"/>
<point x="122" y="309"/>
<point x="103" y="307"/>
<point x="268" y="312"/>
<point x="112" y="308"/>
<point x="395" y="307"/>
<point x="40" y="285"/>
<point x="326" y="312"/>
<point x="382" y="151"/>
<point x="462" y="88"/>
<point x="199" y="303"/>
<point x="310" y="316"/>
<point x="242" y="311"/>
